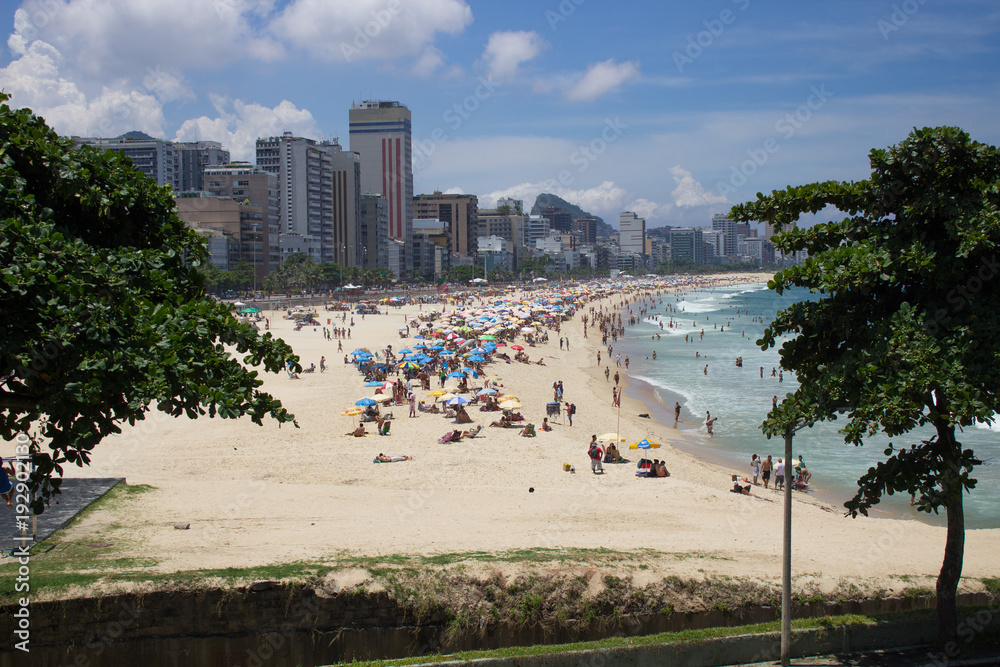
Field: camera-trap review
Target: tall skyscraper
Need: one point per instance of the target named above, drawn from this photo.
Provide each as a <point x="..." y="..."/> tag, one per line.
<point x="380" y="133"/>
<point x="687" y="245"/>
<point x="375" y="231"/>
<point x="730" y="236"/>
<point x="632" y="233"/>
<point x="318" y="193"/>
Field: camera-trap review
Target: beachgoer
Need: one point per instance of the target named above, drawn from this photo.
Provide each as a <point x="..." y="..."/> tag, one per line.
<point x="616" y="378"/>
<point x="545" y="424"/>
<point x="382" y="458"/>
<point x="570" y="411"/>
<point x="596" y="454"/>
<point x="765" y="470"/>
<point x="322" y="364"/>
<point x="413" y="404"/>
<point x="779" y="475"/>
<point x="755" y="468"/>
<point x="607" y="372"/>
<point x="677" y="412"/>
<point x="359" y="432"/>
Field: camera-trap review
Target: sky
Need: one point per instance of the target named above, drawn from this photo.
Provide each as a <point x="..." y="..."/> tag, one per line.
<point x="672" y="109"/>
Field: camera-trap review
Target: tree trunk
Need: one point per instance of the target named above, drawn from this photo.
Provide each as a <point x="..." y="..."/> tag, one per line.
<point x="954" y="548"/>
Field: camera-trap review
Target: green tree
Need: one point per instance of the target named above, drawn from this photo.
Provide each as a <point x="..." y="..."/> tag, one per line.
<point x="463" y="273"/>
<point x="906" y="332"/>
<point x="103" y="308"/>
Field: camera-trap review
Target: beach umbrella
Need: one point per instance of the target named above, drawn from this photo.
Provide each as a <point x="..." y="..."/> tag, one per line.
<point x="487" y="337"/>
<point x="421" y="337"/>
<point x="438" y="348"/>
<point x="407" y="364"/>
<point x="517" y="347"/>
<point x="352" y="412"/>
<point x="487" y="392"/>
<point x="365" y="402"/>
<point x="644" y="444"/>
<point x="373" y="383"/>
<point x="456" y="374"/>
<point x="447" y="396"/>
<point x="457" y="400"/>
<point x="437" y="392"/>
<point x="611" y="436"/>
<point x="476" y="358"/>
<point x="249" y="311"/>
<point x="406" y="350"/>
<point x="358" y="353"/>
<point x="527" y="330"/>
<point x="510" y="404"/>
<point x="239" y="304"/>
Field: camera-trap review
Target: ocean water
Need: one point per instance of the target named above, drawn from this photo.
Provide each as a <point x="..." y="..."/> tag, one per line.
<point x="714" y="327"/>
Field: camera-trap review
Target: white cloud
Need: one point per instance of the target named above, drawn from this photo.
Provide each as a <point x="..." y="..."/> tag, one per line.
<point x="690" y="192"/>
<point x="352" y="30"/>
<point x="240" y="124"/>
<point x="34" y="80"/>
<point x="505" y="52"/>
<point x="128" y="38"/>
<point x="601" y="78"/>
<point x="428" y="62"/>
<point x="648" y="209"/>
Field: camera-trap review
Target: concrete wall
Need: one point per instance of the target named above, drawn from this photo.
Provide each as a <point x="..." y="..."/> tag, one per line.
<point x="294" y="625"/>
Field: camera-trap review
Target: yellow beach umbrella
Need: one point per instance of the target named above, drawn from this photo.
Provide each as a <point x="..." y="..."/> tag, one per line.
<point x="437" y="392"/>
<point x="351" y="412"/>
<point x="611" y="436"/>
<point x="511" y="404"/>
<point x="447" y="396"/>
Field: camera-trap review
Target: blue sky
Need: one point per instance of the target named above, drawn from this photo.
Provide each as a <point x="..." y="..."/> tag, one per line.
<point x="675" y="110"/>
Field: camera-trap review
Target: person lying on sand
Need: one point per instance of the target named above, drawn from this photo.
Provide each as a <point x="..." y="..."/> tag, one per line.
<point x="504" y="422"/>
<point x="382" y="458"/>
<point x="745" y="490"/>
<point x="473" y="433"/>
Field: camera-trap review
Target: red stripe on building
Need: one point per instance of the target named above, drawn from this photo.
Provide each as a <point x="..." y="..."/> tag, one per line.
<point x="399" y="188"/>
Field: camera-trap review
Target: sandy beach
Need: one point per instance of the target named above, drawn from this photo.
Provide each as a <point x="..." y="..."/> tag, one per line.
<point x="262" y="495"/>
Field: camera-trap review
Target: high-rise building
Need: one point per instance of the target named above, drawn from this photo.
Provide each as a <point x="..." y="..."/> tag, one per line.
<point x="318" y="193"/>
<point x="559" y="219"/>
<point x="177" y="164"/>
<point x="381" y="134"/>
<point x="687" y="245"/>
<point x="460" y="211"/>
<point x="193" y="158"/>
<point x="240" y="222"/>
<point x="587" y="227"/>
<point x="730" y="236"/>
<point x="632" y="234"/>
<point x="154" y="157"/>
<point x="375" y="231"/>
<point x="242" y="181"/>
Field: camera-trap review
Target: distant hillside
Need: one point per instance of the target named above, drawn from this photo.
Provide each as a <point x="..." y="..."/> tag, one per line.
<point x="545" y="200"/>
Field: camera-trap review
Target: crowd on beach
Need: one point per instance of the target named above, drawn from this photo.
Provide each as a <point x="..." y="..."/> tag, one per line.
<point x="461" y="341"/>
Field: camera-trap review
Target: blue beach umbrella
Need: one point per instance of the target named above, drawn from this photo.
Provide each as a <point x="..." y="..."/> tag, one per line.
<point x="365" y="402"/>
<point x="456" y="374"/>
<point x="438" y="348"/>
<point x="458" y="400"/>
<point x="421" y="337"/>
<point x="489" y="391"/>
<point x="476" y="358"/>
<point x="445" y="353"/>
<point x="406" y="351"/>
<point x="373" y="383"/>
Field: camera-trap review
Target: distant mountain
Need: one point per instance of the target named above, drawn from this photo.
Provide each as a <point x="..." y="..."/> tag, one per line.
<point x="545" y="200"/>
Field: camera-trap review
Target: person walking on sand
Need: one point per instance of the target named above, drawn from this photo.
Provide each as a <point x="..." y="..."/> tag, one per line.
<point x="322" y="364"/>
<point x="596" y="454"/>
<point x="616" y="378"/>
<point x="607" y="372"/>
<point x="677" y="412"/>
<point x="755" y="468"/>
<point x="413" y="404"/>
<point x="765" y="470"/>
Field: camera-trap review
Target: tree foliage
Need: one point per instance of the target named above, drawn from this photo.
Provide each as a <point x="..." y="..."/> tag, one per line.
<point x="103" y="308"/>
<point x="906" y="332"/>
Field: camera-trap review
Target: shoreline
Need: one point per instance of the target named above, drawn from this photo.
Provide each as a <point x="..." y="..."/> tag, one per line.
<point x="257" y="495"/>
